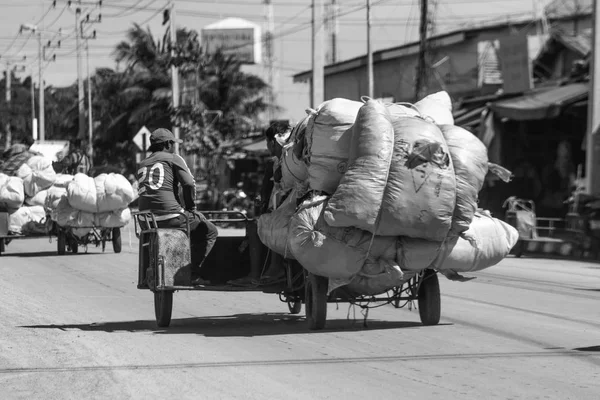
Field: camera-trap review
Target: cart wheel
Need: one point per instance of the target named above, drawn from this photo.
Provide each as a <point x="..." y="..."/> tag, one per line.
<point x="116" y="240"/>
<point x="163" y="307"/>
<point x="429" y="298"/>
<point x="61" y="242"/>
<point x="316" y="301"/>
<point x="294" y="306"/>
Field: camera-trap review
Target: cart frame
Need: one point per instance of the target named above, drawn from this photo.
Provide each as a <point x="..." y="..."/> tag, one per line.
<point x="300" y="286"/>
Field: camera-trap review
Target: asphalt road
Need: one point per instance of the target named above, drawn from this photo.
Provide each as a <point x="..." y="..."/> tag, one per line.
<point x="76" y="327"/>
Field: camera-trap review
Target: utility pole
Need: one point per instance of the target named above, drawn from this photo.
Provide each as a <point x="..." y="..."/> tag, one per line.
<point x="89" y="83"/>
<point x="421" y="81"/>
<point x="80" y="93"/>
<point x="332" y="30"/>
<point x="370" y="78"/>
<point x="593" y="123"/>
<point x="269" y="52"/>
<point x="317" y="88"/>
<point x="174" y="69"/>
<point x="8" y="100"/>
<point x="41" y="123"/>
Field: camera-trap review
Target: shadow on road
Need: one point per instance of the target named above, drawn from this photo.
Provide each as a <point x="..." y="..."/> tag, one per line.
<point x="591" y="348"/>
<point x="243" y="325"/>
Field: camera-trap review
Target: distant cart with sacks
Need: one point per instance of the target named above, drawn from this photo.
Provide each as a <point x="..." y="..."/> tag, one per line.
<point x="164" y="268"/>
<point x="71" y="238"/>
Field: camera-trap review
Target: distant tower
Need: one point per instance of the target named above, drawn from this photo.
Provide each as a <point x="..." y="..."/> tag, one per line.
<point x="331" y="27"/>
<point x="269" y="55"/>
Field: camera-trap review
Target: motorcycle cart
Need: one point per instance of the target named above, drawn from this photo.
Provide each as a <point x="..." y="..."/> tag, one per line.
<point x="67" y="240"/>
<point x="6" y="237"/>
<point x="164" y="266"/>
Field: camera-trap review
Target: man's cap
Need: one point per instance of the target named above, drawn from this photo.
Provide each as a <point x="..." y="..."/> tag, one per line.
<point x="161" y="135"/>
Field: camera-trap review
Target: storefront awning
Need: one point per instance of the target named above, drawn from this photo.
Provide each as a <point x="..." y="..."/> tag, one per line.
<point x="539" y="104"/>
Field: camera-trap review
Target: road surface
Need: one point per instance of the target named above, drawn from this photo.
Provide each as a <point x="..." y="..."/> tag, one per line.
<point x="76" y="327"/>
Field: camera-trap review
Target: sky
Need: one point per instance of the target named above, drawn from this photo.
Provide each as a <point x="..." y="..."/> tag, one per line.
<point x="394" y="22"/>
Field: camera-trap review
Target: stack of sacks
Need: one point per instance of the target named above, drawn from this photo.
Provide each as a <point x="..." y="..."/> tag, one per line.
<point x="406" y="202"/>
<point x="66" y="215"/>
<point x="327" y="142"/>
<point x="12" y="194"/>
<point x="38" y="174"/>
<point x="81" y="193"/>
<point x="400" y="181"/>
<point x="25" y="215"/>
<point x="114" y="193"/>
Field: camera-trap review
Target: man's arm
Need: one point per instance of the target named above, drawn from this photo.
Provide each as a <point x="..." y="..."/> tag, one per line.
<point x="185" y="178"/>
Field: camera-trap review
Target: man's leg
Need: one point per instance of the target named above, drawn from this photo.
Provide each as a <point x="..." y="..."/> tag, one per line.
<point x="203" y="235"/>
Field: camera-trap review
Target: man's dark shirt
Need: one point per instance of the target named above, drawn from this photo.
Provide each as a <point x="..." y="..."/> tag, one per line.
<point x="159" y="177"/>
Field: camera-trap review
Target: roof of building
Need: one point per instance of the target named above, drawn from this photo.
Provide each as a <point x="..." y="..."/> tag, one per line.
<point x="232" y="23"/>
<point x="562" y="8"/>
<point x="441" y="40"/>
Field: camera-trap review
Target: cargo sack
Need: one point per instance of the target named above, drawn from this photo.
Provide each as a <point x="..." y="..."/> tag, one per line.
<point x="402" y="110"/>
<point x="81" y="193"/>
<point x="62" y="180"/>
<point x="12" y="165"/>
<point x="113" y="219"/>
<point x="23" y="215"/>
<point x="273" y="227"/>
<point x="12" y="194"/>
<point x="493" y="241"/>
<point x="328" y="135"/>
<point x="337" y="253"/>
<point x="113" y="191"/>
<point x="37" y="174"/>
<point x="470" y="160"/>
<point x="38" y="200"/>
<point x="437" y="107"/>
<point x="298" y="137"/>
<point x="420" y="194"/>
<point x="357" y="200"/>
<point x="53" y="196"/>
<point x="293" y="170"/>
<point x="378" y="275"/>
<point x="67" y="216"/>
<point x="81" y="232"/>
<point x="35" y="228"/>
<point x="416" y="254"/>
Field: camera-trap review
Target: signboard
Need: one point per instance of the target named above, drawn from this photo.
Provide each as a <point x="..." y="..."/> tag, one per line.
<point x="142" y="139"/>
<point x="515" y="65"/>
<point x="234" y="36"/>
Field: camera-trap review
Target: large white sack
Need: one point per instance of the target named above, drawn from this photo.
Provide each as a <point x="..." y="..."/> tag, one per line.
<point x="113" y="191"/>
<point x="293" y="170"/>
<point x="80" y="232"/>
<point x="39" y="199"/>
<point x="328" y="135"/>
<point x="113" y="219"/>
<point x="12" y="193"/>
<point x="273" y="227"/>
<point x="470" y="159"/>
<point x="402" y="110"/>
<point x="23" y="215"/>
<point x="494" y="240"/>
<point x="53" y="196"/>
<point x="37" y="174"/>
<point x="437" y="107"/>
<point x="67" y="216"/>
<point x="420" y="194"/>
<point x="63" y="180"/>
<point x="337" y="253"/>
<point x="377" y="277"/>
<point x="81" y="193"/>
<point x="359" y="196"/>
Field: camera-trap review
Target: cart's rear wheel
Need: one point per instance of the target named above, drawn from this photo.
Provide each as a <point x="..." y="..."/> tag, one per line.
<point x="116" y="239"/>
<point x="430" y="307"/>
<point x="295" y="306"/>
<point x="316" y="301"/>
<point x="61" y="242"/>
<point x="163" y="307"/>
